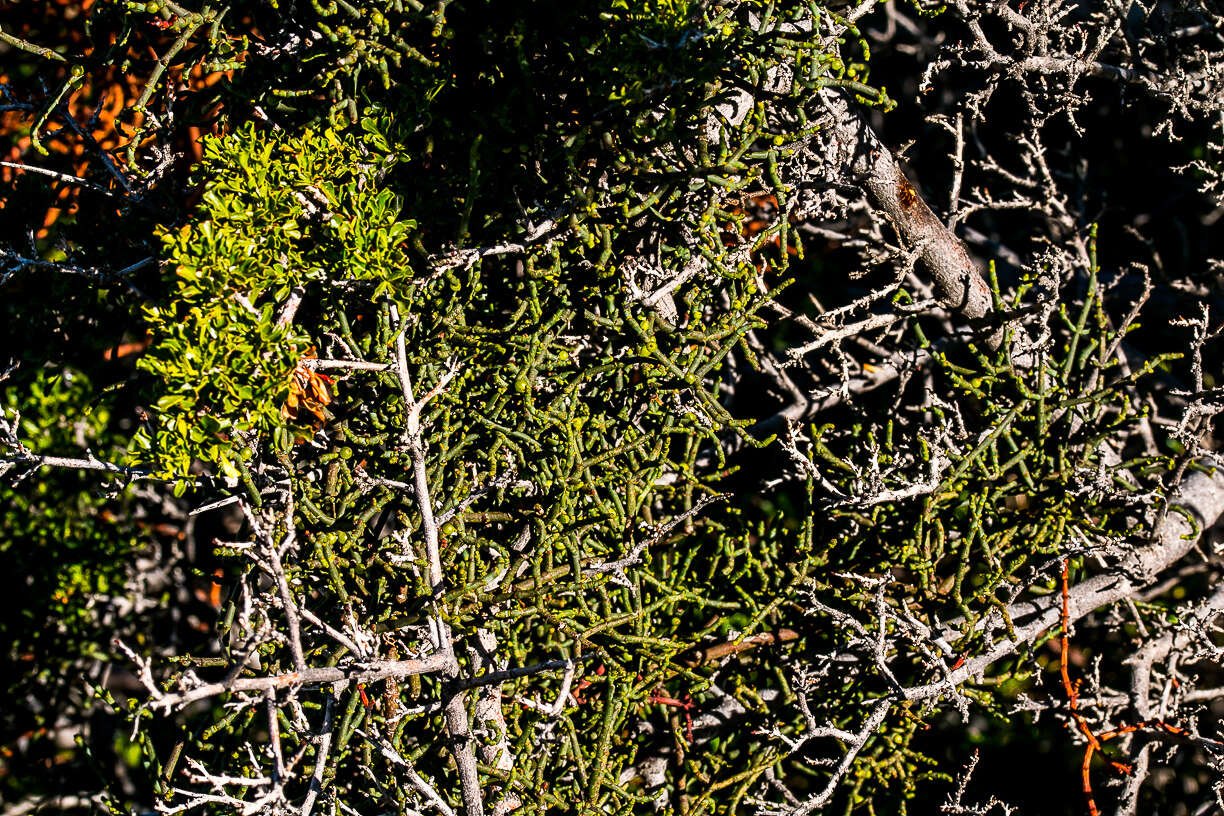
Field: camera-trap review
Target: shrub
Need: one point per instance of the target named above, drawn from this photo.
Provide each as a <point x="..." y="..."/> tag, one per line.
<point x="580" y="408"/>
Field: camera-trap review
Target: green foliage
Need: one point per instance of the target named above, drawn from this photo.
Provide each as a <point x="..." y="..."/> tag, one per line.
<point x="1017" y="494"/>
<point x="278" y="215"/>
<point x="1028" y="483"/>
<point x="589" y="408"/>
<point x="575" y="424"/>
<point x="590" y="152"/>
<point x="57" y="520"/>
<point x="67" y="549"/>
<point x="324" y="219"/>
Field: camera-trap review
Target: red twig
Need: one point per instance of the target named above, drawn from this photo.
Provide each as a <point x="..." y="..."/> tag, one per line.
<point x="1095" y="741"/>
<point x="584" y="683"/>
<point x="1072" y="691"/>
<point x="685" y="703"/>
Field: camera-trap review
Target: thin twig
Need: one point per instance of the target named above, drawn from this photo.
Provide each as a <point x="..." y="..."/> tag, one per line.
<point x="367" y="672"/>
<point x="457" y="725"/>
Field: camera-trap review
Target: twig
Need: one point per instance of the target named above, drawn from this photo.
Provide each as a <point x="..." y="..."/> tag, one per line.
<point x="325" y="739"/>
<point x="457" y="725"/>
<point x="635" y="553"/>
<point x="417" y="780"/>
<point x="42" y="171"/>
<point x="277" y="571"/>
<point x="367" y="672"/>
<point x="94" y="463"/>
<point x="356" y="365"/>
<point x="855" y="742"/>
<point x="341" y="638"/>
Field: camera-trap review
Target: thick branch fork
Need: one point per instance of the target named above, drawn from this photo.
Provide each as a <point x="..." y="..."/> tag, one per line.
<point x="958" y="283"/>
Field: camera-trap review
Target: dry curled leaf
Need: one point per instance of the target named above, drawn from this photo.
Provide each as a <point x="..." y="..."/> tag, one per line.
<point x="309" y="392"/>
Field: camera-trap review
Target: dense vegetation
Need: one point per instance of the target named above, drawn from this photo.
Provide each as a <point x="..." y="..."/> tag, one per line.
<point x="540" y="406"/>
